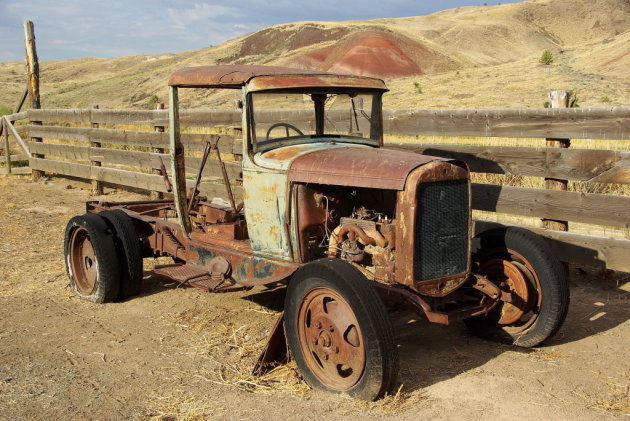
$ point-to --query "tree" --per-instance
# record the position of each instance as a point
(546, 58)
(153, 100)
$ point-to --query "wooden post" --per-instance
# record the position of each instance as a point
(32, 65)
(7, 152)
(158, 195)
(97, 186)
(558, 99)
(32, 84)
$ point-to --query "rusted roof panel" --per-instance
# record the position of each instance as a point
(267, 77)
(360, 167)
(260, 83)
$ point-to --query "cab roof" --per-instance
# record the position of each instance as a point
(267, 78)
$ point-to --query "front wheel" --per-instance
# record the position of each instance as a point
(522, 264)
(338, 330)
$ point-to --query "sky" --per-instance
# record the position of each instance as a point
(66, 29)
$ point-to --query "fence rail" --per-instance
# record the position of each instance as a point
(94, 138)
(570, 123)
(592, 165)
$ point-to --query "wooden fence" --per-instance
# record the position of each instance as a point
(86, 144)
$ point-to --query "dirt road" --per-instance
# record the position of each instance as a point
(177, 353)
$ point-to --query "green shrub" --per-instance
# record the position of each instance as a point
(418, 87)
(606, 100)
(546, 58)
(5, 110)
(152, 102)
(573, 99)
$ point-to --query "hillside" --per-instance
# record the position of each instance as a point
(483, 56)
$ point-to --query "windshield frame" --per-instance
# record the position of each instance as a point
(375, 138)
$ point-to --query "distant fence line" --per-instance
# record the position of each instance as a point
(91, 156)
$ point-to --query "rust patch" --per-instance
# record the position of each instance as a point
(357, 167)
(265, 77)
(285, 153)
(304, 81)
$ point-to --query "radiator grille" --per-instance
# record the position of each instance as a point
(441, 229)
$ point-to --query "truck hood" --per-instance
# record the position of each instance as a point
(357, 166)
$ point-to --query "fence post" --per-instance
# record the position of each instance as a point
(32, 70)
(7, 152)
(37, 174)
(97, 186)
(158, 195)
(32, 64)
(558, 99)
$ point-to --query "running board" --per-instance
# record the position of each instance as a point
(198, 277)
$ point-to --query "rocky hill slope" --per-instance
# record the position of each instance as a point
(483, 56)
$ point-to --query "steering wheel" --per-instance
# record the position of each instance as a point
(286, 126)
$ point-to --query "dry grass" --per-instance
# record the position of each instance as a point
(172, 408)
(232, 351)
(617, 400)
(613, 397)
(390, 404)
(549, 355)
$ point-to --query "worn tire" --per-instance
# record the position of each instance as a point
(547, 286)
(91, 259)
(129, 252)
(339, 279)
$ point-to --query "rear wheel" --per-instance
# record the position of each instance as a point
(523, 265)
(129, 252)
(339, 332)
(91, 260)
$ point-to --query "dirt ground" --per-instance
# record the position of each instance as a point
(180, 353)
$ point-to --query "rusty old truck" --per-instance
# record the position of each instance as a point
(354, 229)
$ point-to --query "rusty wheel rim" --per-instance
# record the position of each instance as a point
(331, 339)
(82, 261)
(512, 273)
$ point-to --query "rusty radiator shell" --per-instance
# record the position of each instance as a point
(406, 217)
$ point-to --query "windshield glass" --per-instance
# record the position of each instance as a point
(281, 119)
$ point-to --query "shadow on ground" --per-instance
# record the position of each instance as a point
(431, 353)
